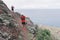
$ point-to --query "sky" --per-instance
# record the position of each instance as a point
(33, 4)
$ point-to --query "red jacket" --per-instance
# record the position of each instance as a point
(23, 18)
(23, 21)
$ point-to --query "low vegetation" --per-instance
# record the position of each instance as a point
(43, 35)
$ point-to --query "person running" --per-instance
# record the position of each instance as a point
(23, 20)
(12, 8)
(24, 29)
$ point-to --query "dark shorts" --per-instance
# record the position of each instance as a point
(23, 23)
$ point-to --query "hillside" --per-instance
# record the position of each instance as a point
(11, 27)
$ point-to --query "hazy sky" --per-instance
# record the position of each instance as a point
(29, 4)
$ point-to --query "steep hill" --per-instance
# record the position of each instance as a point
(10, 24)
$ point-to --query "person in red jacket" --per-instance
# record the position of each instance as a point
(23, 19)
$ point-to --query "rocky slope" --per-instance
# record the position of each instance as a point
(10, 24)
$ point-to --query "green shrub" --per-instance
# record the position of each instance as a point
(43, 35)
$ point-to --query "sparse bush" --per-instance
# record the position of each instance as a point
(43, 35)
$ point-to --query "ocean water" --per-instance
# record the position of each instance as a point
(43, 16)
